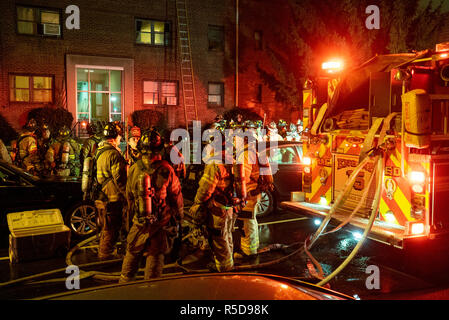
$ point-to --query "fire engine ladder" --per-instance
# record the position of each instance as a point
(187, 78)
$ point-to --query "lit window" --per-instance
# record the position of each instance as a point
(152, 32)
(160, 93)
(38, 21)
(99, 94)
(215, 36)
(215, 94)
(28, 88)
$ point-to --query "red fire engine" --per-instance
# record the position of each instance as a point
(394, 108)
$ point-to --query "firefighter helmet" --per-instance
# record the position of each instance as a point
(282, 123)
(31, 125)
(150, 141)
(112, 130)
(156, 142)
(92, 128)
(144, 142)
(64, 132)
(249, 124)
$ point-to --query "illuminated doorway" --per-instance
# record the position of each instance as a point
(99, 93)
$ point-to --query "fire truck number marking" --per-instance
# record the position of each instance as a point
(326, 162)
(359, 183)
(392, 171)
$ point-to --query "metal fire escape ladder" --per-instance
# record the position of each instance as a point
(187, 77)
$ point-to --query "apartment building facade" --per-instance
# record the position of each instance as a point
(125, 56)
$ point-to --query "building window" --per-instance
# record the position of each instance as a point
(153, 32)
(215, 35)
(38, 21)
(215, 94)
(160, 93)
(31, 88)
(99, 94)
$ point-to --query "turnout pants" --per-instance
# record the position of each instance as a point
(111, 217)
(249, 241)
(145, 241)
(221, 225)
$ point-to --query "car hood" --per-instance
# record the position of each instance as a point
(222, 286)
(61, 185)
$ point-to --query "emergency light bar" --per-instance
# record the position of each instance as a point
(332, 66)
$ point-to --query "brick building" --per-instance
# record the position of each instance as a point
(127, 56)
(124, 57)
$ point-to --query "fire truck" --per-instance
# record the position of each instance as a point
(396, 105)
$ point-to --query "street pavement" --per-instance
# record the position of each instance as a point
(416, 273)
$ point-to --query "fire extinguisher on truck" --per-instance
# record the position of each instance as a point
(396, 105)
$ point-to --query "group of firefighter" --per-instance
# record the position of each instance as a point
(151, 195)
(281, 131)
(40, 154)
(140, 195)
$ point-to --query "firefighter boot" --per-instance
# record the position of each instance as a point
(130, 267)
(154, 266)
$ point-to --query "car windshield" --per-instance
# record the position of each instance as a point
(28, 175)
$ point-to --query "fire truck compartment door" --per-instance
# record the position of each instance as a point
(344, 165)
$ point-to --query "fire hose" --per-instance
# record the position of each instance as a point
(379, 163)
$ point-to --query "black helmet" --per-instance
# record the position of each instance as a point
(31, 125)
(112, 130)
(92, 128)
(64, 132)
(157, 143)
(144, 144)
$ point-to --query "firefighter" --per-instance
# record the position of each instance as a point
(89, 147)
(249, 240)
(111, 176)
(299, 126)
(213, 207)
(26, 153)
(282, 129)
(4, 154)
(155, 198)
(293, 134)
(134, 154)
(273, 134)
(165, 150)
(44, 141)
(63, 154)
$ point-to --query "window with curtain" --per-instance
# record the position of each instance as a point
(153, 32)
(160, 93)
(30, 88)
(38, 21)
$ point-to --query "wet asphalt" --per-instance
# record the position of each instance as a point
(420, 272)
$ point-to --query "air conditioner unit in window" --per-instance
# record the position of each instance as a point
(52, 29)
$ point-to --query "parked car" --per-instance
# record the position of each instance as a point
(21, 191)
(206, 286)
(286, 157)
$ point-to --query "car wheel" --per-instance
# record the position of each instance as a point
(266, 204)
(82, 219)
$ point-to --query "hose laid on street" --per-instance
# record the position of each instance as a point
(375, 208)
(343, 195)
(379, 161)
